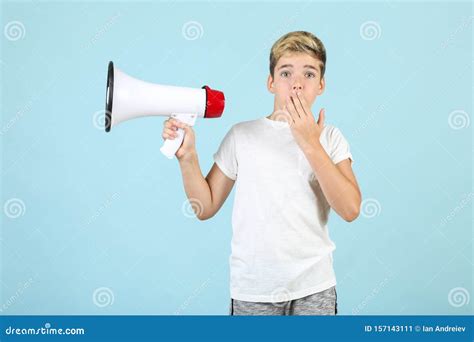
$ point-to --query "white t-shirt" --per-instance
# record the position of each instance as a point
(281, 248)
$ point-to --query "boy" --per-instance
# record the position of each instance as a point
(289, 171)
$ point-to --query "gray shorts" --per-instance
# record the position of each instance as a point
(320, 303)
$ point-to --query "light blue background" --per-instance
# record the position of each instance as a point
(105, 210)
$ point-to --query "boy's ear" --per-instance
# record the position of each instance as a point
(322, 86)
(270, 86)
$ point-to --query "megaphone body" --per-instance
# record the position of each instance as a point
(129, 98)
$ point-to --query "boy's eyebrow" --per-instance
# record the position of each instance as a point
(291, 66)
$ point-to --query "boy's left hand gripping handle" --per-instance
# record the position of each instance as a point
(170, 146)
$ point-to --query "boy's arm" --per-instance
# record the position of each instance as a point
(210, 192)
(337, 182)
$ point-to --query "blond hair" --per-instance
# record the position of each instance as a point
(298, 42)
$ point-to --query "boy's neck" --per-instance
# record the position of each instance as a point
(272, 115)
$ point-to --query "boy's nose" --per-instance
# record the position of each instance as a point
(296, 87)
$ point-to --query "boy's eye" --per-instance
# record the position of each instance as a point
(287, 74)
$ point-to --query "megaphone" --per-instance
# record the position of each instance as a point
(129, 98)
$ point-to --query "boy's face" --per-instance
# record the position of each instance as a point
(296, 72)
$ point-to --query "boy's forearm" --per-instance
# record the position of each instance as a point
(340, 193)
(196, 186)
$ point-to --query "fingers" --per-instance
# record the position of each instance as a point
(299, 105)
(171, 127)
(173, 124)
(169, 133)
(290, 107)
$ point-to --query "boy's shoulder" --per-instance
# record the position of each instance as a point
(330, 133)
(329, 130)
(247, 125)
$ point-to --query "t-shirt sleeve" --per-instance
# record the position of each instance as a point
(340, 149)
(225, 157)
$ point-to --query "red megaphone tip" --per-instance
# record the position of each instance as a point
(215, 103)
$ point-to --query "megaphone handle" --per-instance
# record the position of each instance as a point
(170, 146)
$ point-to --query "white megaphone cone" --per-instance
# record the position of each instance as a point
(129, 98)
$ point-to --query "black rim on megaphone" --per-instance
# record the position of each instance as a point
(109, 97)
